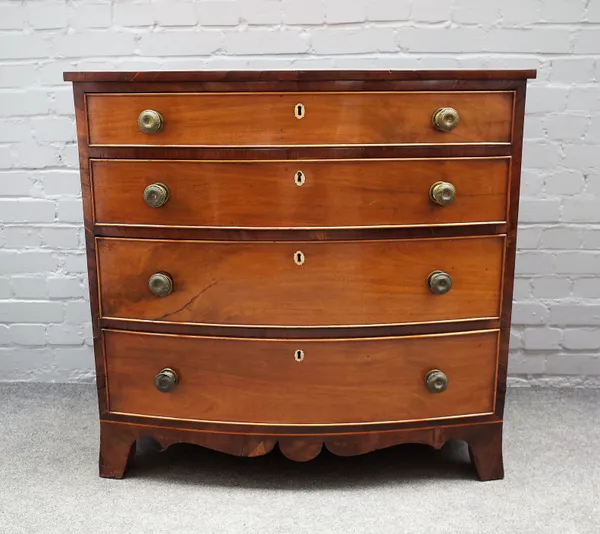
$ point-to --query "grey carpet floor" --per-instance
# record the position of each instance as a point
(49, 481)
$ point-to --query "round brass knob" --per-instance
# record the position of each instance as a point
(156, 195)
(445, 119)
(150, 121)
(442, 193)
(439, 282)
(160, 284)
(166, 380)
(436, 381)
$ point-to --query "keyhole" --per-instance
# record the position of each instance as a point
(299, 355)
(299, 111)
(298, 257)
(300, 178)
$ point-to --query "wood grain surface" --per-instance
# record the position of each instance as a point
(340, 283)
(174, 77)
(209, 119)
(365, 268)
(265, 194)
(511, 246)
(338, 381)
(118, 443)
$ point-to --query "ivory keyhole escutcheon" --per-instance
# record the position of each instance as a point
(299, 355)
(299, 111)
(299, 178)
(299, 257)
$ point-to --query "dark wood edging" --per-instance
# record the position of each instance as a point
(303, 75)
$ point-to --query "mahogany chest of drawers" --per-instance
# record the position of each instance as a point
(301, 259)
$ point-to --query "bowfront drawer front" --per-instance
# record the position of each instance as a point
(301, 382)
(299, 119)
(299, 284)
(301, 194)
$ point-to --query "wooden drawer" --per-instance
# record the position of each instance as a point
(269, 119)
(334, 193)
(336, 382)
(339, 283)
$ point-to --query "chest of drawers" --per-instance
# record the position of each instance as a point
(301, 259)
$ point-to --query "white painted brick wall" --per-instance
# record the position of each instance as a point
(45, 332)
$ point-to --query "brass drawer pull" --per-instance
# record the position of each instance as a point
(445, 119)
(160, 284)
(156, 195)
(442, 193)
(150, 121)
(439, 282)
(436, 381)
(166, 380)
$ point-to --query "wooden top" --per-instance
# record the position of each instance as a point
(295, 75)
